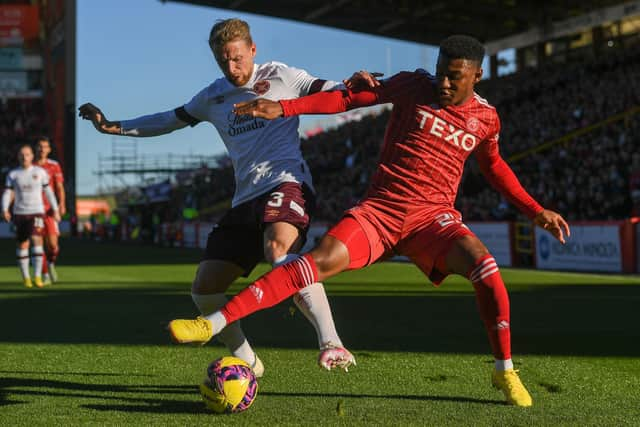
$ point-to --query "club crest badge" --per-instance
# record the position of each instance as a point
(261, 87)
(473, 124)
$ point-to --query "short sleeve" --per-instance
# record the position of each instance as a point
(299, 80)
(405, 86)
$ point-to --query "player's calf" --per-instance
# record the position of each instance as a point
(493, 304)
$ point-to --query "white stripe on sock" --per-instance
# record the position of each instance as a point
(309, 272)
(488, 273)
(486, 265)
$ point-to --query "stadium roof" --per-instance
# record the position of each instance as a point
(420, 21)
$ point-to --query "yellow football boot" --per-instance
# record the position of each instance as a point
(190, 331)
(27, 282)
(38, 282)
(513, 389)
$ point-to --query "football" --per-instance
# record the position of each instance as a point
(230, 386)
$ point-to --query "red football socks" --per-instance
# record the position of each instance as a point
(493, 304)
(45, 263)
(275, 286)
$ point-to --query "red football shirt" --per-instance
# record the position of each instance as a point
(425, 145)
(55, 176)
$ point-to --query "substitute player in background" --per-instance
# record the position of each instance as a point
(51, 230)
(25, 186)
(273, 201)
(436, 123)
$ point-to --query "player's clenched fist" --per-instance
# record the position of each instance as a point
(90, 112)
(262, 108)
(6, 216)
(362, 80)
(553, 223)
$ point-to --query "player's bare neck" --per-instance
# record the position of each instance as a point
(464, 101)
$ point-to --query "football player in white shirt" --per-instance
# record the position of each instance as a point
(27, 183)
(274, 196)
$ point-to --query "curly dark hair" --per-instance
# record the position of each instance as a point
(462, 47)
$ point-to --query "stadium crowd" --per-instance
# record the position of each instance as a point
(21, 121)
(592, 177)
(595, 176)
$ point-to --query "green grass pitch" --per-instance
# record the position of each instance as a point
(92, 350)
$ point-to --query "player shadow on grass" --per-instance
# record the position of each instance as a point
(188, 407)
(12, 387)
(549, 320)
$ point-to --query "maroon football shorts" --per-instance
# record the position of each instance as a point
(28, 225)
(372, 232)
(238, 236)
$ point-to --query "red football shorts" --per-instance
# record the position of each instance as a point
(51, 226)
(372, 231)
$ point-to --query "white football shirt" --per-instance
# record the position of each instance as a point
(264, 153)
(27, 185)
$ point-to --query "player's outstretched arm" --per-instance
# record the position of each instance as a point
(330, 102)
(145, 126)
(502, 178)
(90, 112)
(262, 108)
(554, 223)
(362, 79)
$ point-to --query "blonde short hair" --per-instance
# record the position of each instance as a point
(228, 30)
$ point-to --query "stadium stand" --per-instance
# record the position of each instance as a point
(588, 167)
(21, 121)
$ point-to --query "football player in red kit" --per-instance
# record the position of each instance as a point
(436, 123)
(51, 230)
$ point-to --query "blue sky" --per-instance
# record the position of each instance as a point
(143, 56)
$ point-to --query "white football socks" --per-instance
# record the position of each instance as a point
(23, 262)
(313, 303)
(36, 255)
(503, 365)
(231, 335)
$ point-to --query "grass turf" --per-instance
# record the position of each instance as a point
(92, 349)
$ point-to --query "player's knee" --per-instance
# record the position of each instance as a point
(465, 254)
(274, 250)
(331, 257)
(203, 285)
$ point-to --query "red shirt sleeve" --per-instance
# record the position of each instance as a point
(398, 88)
(502, 178)
(335, 101)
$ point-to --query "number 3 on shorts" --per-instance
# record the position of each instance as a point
(276, 199)
(38, 222)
